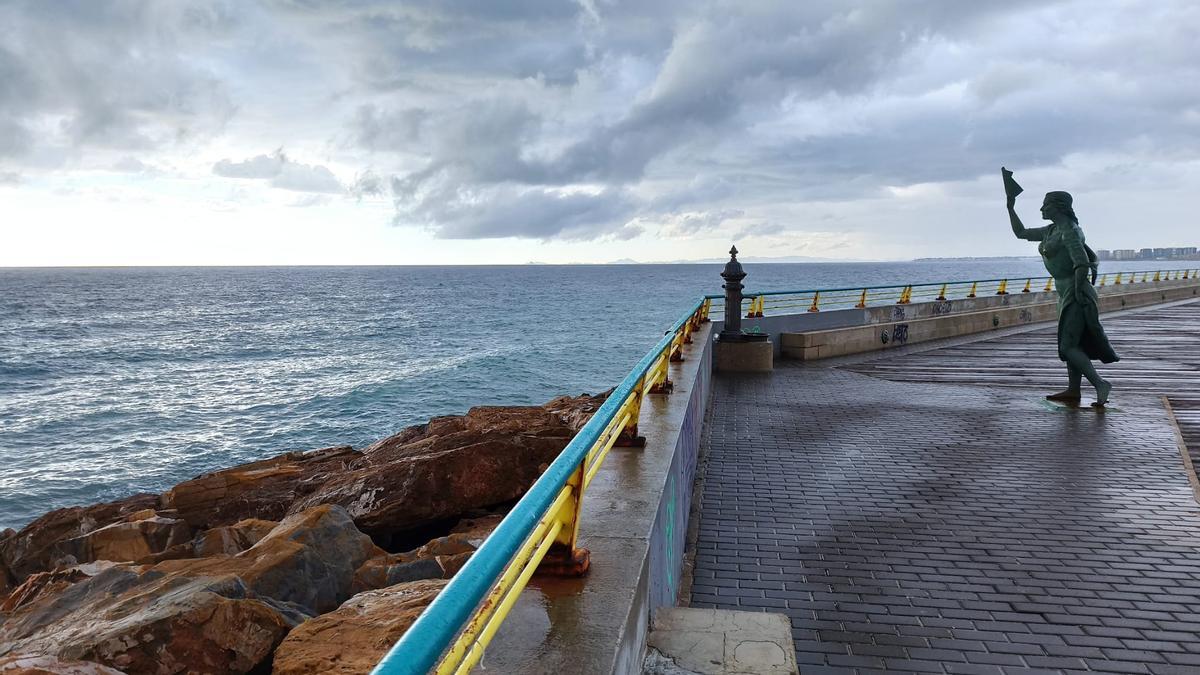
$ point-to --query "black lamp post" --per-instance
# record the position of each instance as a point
(733, 275)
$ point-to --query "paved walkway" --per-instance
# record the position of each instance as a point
(933, 527)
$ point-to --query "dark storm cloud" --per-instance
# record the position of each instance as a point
(535, 213)
(757, 102)
(83, 74)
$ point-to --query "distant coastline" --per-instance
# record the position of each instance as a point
(791, 259)
(986, 258)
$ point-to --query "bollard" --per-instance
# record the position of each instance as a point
(736, 350)
(733, 275)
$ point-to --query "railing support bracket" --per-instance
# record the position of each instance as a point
(561, 561)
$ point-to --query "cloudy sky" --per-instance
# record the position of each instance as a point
(477, 131)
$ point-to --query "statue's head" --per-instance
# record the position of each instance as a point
(1058, 204)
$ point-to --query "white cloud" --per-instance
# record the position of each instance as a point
(281, 172)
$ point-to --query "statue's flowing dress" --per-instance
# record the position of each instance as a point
(1063, 251)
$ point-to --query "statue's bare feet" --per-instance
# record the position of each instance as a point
(1068, 395)
(1102, 391)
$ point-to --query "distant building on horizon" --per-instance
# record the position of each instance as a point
(1165, 253)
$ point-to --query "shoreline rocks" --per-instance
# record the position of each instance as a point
(352, 639)
(221, 570)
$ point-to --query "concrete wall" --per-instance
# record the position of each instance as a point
(670, 526)
(933, 320)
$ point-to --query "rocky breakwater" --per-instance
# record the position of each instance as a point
(308, 562)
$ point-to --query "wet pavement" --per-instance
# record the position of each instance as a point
(954, 523)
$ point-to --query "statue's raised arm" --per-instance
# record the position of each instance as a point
(1011, 190)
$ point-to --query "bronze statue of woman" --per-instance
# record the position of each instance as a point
(1073, 266)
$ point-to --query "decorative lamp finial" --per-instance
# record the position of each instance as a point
(733, 252)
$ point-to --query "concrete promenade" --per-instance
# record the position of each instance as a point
(926, 510)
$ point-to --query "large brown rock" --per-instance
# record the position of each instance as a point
(232, 539)
(488, 457)
(476, 529)
(43, 584)
(37, 664)
(125, 541)
(424, 474)
(352, 639)
(263, 489)
(143, 621)
(438, 559)
(223, 614)
(35, 547)
(575, 411)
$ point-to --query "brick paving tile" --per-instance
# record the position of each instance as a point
(910, 526)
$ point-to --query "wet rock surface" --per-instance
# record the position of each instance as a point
(35, 664)
(214, 574)
(35, 548)
(352, 639)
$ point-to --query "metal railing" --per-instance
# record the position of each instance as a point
(816, 300)
(451, 634)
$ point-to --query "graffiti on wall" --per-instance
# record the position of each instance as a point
(670, 529)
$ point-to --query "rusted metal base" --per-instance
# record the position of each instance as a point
(676, 357)
(629, 438)
(561, 561)
(664, 387)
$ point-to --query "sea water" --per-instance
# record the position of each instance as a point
(122, 380)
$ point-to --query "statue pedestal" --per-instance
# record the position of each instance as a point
(743, 357)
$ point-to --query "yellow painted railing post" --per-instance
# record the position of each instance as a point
(1156, 279)
(905, 296)
(705, 309)
(656, 377)
(1103, 279)
(1118, 281)
(564, 558)
(942, 293)
(628, 436)
(1003, 290)
(816, 302)
(972, 293)
(1050, 284)
(862, 300)
(1027, 283)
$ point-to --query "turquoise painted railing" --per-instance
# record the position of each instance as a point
(451, 634)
